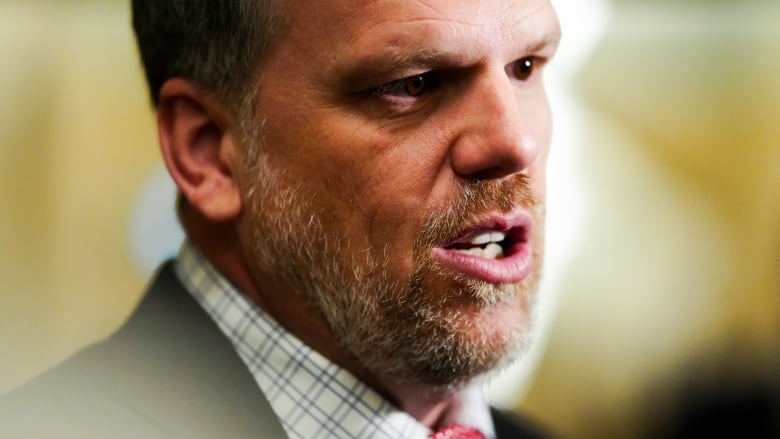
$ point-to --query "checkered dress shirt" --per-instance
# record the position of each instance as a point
(312, 397)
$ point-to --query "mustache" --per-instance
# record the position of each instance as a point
(473, 200)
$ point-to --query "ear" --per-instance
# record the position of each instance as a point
(199, 149)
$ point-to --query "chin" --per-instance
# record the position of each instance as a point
(457, 330)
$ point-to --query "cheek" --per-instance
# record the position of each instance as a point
(368, 185)
(397, 194)
(394, 209)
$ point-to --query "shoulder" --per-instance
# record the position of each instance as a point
(72, 400)
(510, 425)
(168, 372)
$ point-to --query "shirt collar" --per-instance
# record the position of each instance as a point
(312, 396)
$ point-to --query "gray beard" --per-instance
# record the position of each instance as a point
(403, 331)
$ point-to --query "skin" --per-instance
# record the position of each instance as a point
(372, 161)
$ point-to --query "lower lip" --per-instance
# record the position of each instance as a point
(510, 269)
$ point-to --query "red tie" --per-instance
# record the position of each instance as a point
(457, 431)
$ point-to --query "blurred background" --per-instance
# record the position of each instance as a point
(662, 296)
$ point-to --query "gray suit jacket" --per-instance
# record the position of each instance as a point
(168, 372)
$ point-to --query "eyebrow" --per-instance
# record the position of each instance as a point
(389, 64)
(392, 64)
(549, 39)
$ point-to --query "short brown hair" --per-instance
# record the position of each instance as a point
(216, 44)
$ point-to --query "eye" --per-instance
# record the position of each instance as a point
(415, 85)
(412, 86)
(524, 68)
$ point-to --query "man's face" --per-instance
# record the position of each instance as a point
(400, 177)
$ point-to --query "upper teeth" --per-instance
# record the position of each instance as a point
(486, 237)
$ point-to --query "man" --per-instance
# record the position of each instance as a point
(361, 184)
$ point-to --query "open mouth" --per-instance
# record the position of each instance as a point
(490, 244)
(497, 250)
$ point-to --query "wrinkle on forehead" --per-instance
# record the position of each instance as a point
(464, 13)
(333, 41)
(360, 16)
(517, 26)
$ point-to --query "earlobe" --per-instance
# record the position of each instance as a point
(198, 147)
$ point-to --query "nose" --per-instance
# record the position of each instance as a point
(498, 133)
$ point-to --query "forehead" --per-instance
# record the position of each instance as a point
(364, 26)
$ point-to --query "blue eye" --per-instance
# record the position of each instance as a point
(412, 86)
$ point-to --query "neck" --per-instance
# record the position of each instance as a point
(427, 404)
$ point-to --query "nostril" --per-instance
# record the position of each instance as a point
(493, 173)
